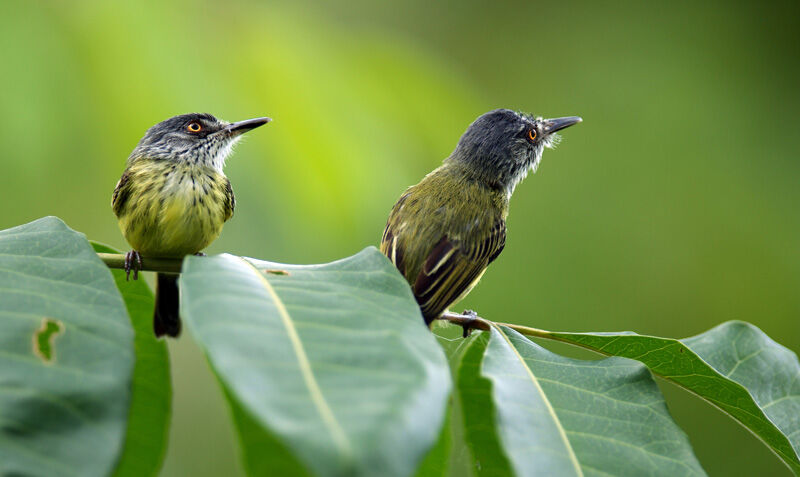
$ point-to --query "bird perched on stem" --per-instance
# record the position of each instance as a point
(173, 198)
(443, 232)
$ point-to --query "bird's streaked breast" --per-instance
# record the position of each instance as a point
(173, 209)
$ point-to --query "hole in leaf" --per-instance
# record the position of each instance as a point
(44, 337)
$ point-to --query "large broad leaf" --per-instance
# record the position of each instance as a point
(474, 397)
(437, 462)
(734, 366)
(262, 453)
(66, 355)
(558, 416)
(333, 360)
(149, 413)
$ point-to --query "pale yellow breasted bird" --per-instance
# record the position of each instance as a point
(173, 198)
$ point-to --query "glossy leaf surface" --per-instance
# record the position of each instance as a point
(558, 416)
(66, 355)
(333, 360)
(735, 367)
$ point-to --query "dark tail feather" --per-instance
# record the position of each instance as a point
(165, 319)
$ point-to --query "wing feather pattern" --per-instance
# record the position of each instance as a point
(450, 270)
(121, 193)
(230, 200)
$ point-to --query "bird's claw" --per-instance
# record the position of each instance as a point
(471, 317)
(133, 262)
(199, 254)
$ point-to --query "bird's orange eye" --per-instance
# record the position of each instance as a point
(532, 134)
(194, 127)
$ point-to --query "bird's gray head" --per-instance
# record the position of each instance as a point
(195, 138)
(501, 146)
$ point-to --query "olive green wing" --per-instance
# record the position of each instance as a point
(230, 200)
(121, 193)
(450, 269)
(389, 245)
(453, 267)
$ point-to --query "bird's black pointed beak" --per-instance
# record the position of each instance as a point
(557, 124)
(242, 127)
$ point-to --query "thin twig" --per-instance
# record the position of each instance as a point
(528, 331)
(149, 264)
(169, 265)
(466, 321)
(470, 322)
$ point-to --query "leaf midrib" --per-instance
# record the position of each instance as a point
(550, 409)
(790, 459)
(325, 412)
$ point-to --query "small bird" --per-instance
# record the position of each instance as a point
(443, 232)
(173, 198)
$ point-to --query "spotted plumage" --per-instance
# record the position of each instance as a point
(172, 210)
(173, 198)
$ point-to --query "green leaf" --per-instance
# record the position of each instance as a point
(474, 393)
(262, 452)
(735, 367)
(66, 355)
(149, 413)
(437, 462)
(333, 360)
(560, 416)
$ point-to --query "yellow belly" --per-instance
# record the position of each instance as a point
(169, 215)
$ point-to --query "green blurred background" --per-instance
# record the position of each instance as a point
(672, 208)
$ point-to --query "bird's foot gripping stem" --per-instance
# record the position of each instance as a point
(471, 317)
(133, 262)
(468, 321)
(200, 254)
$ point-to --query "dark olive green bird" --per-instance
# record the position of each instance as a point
(173, 198)
(443, 232)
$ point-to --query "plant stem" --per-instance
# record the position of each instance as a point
(475, 322)
(469, 322)
(169, 265)
(149, 264)
(528, 331)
